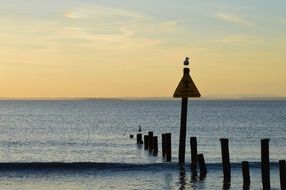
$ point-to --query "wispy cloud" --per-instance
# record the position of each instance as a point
(240, 40)
(234, 19)
(88, 27)
(169, 25)
(109, 27)
(98, 12)
(122, 40)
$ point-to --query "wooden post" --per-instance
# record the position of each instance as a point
(225, 160)
(245, 174)
(185, 89)
(146, 142)
(282, 171)
(193, 142)
(164, 145)
(168, 147)
(265, 168)
(139, 138)
(202, 165)
(183, 129)
(150, 141)
(155, 143)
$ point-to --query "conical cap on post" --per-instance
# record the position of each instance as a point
(186, 88)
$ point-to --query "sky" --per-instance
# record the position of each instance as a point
(136, 48)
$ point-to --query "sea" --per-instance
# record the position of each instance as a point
(86, 144)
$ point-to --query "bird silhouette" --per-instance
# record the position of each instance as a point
(186, 62)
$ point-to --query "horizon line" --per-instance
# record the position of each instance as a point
(149, 98)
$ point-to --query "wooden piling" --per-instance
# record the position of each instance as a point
(282, 171)
(168, 147)
(225, 160)
(265, 168)
(146, 138)
(185, 89)
(245, 174)
(183, 129)
(202, 165)
(193, 143)
(150, 141)
(139, 138)
(155, 143)
(163, 145)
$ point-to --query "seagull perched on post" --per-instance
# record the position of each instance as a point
(186, 62)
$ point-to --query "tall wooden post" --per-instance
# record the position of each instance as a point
(225, 160)
(146, 142)
(282, 171)
(202, 165)
(139, 138)
(185, 89)
(245, 174)
(168, 149)
(183, 130)
(265, 167)
(194, 152)
(155, 145)
(164, 145)
(150, 141)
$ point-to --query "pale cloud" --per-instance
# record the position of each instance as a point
(92, 26)
(169, 26)
(125, 39)
(88, 27)
(98, 12)
(73, 14)
(107, 27)
(240, 40)
(234, 19)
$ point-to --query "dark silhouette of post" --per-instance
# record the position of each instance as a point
(265, 168)
(245, 174)
(185, 89)
(183, 130)
(225, 160)
(163, 145)
(202, 165)
(146, 138)
(150, 141)
(194, 152)
(155, 145)
(139, 138)
(282, 171)
(168, 147)
(131, 136)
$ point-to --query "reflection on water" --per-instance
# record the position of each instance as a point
(182, 178)
(195, 181)
(226, 186)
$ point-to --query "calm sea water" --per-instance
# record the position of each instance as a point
(98, 131)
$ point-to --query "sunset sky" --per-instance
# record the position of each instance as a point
(135, 48)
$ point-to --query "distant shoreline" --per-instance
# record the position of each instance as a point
(150, 99)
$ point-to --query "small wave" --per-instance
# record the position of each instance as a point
(97, 166)
(83, 166)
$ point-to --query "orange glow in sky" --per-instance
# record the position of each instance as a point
(137, 48)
